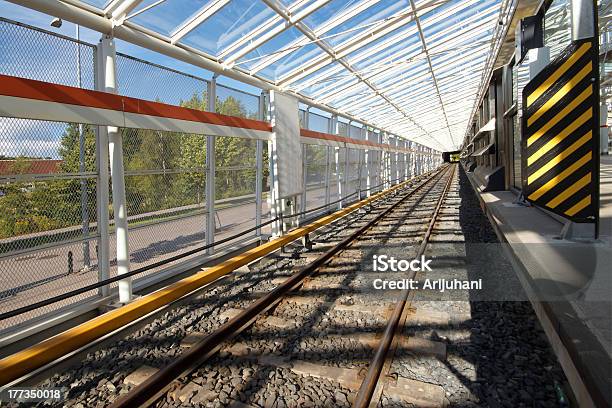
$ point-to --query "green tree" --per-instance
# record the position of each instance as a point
(26, 207)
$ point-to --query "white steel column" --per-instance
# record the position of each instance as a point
(367, 159)
(362, 154)
(347, 163)
(115, 148)
(328, 165)
(210, 170)
(304, 168)
(334, 121)
(386, 162)
(102, 187)
(259, 164)
(273, 199)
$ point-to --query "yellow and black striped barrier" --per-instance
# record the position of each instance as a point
(560, 143)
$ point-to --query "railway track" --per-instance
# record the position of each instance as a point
(328, 283)
(305, 328)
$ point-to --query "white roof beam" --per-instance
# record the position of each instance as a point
(118, 10)
(433, 74)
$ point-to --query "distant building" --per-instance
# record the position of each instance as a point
(10, 167)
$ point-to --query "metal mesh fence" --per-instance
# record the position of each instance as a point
(354, 164)
(144, 80)
(48, 233)
(165, 185)
(343, 129)
(165, 172)
(48, 180)
(318, 123)
(355, 132)
(316, 166)
(374, 167)
(59, 59)
(235, 158)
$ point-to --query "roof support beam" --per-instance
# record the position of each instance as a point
(355, 43)
(431, 69)
(120, 9)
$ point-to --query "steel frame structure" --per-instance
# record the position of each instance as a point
(361, 55)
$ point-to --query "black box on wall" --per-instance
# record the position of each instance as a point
(529, 34)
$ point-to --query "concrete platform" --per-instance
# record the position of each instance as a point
(569, 284)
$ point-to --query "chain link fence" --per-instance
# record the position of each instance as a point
(165, 172)
(315, 165)
(236, 163)
(48, 180)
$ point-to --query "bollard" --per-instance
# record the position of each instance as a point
(70, 262)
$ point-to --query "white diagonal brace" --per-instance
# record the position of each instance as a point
(117, 11)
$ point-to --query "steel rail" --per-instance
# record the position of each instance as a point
(368, 386)
(148, 392)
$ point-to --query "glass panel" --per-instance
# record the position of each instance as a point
(101, 4)
(318, 123)
(296, 59)
(233, 22)
(167, 16)
(354, 26)
(398, 45)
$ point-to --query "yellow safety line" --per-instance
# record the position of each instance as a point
(564, 112)
(557, 139)
(579, 205)
(570, 191)
(561, 93)
(559, 158)
(557, 74)
(560, 177)
(21, 363)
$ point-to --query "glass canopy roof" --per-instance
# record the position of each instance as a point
(412, 67)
